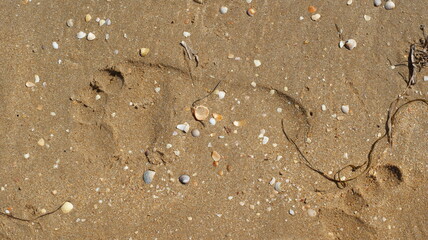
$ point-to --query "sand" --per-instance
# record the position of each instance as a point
(107, 114)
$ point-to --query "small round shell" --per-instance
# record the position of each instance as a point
(377, 3)
(184, 179)
(350, 44)
(251, 12)
(200, 112)
(67, 207)
(389, 5)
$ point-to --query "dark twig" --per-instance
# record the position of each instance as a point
(30, 220)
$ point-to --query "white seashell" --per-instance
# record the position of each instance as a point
(70, 22)
(257, 63)
(81, 35)
(265, 140)
(367, 17)
(349, 2)
(221, 94)
(55, 45)
(213, 121)
(389, 5)
(183, 127)
(377, 3)
(30, 84)
(277, 186)
(223, 10)
(148, 176)
(102, 22)
(200, 112)
(316, 17)
(345, 109)
(91, 36)
(36, 78)
(186, 34)
(184, 179)
(272, 181)
(67, 207)
(350, 44)
(108, 21)
(144, 51)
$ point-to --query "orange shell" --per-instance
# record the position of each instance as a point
(312, 9)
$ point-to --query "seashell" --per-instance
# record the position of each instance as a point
(350, 44)
(144, 52)
(185, 127)
(223, 10)
(345, 109)
(148, 176)
(312, 9)
(277, 186)
(55, 45)
(389, 5)
(377, 3)
(216, 156)
(88, 18)
(70, 22)
(217, 117)
(238, 123)
(102, 22)
(213, 121)
(81, 35)
(316, 17)
(221, 94)
(200, 112)
(90, 36)
(251, 12)
(184, 179)
(67, 207)
(30, 84)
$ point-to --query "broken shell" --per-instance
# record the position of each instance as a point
(30, 84)
(90, 36)
(184, 179)
(70, 22)
(277, 186)
(251, 12)
(341, 44)
(350, 44)
(81, 35)
(217, 117)
(148, 176)
(238, 123)
(316, 17)
(183, 127)
(377, 3)
(67, 207)
(223, 10)
(200, 112)
(88, 18)
(389, 5)
(312, 9)
(144, 52)
(216, 156)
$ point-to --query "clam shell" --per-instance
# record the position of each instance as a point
(389, 5)
(148, 176)
(377, 3)
(216, 156)
(200, 112)
(350, 44)
(144, 52)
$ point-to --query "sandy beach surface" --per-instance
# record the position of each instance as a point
(92, 93)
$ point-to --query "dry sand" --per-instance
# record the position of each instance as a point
(94, 152)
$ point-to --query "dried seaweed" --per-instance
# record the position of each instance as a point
(33, 219)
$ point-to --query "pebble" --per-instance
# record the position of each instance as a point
(27, 156)
(291, 212)
(312, 213)
(55, 45)
(41, 142)
(36, 78)
(316, 17)
(186, 34)
(185, 127)
(350, 44)
(90, 36)
(81, 35)
(184, 179)
(144, 52)
(67, 207)
(377, 3)
(196, 133)
(345, 109)
(70, 22)
(30, 84)
(257, 63)
(88, 18)
(213, 121)
(223, 10)
(367, 18)
(389, 5)
(324, 107)
(148, 176)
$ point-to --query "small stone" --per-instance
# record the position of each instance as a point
(36, 78)
(324, 107)
(196, 132)
(88, 18)
(367, 18)
(97, 19)
(253, 84)
(27, 156)
(213, 121)
(316, 17)
(43, 211)
(157, 89)
(90, 36)
(345, 109)
(184, 179)
(221, 94)
(55, 45)
(102, 22)
(312, 213)
(81, 35)
(144, 52)
(257, 63)
(148, 176)
(223, 10)
(186, 34)
(97, 97)
(41, 142)
(291, 212)
(67, 207)
(377, 3)
(70, 22)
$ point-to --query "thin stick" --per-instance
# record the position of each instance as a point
(30, 220)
